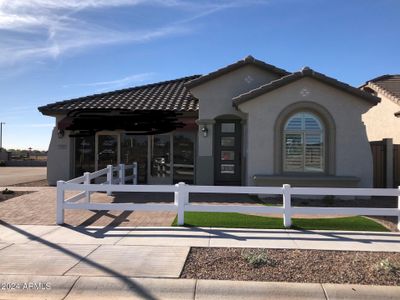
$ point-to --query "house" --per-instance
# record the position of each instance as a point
(382, 121)
(249, 123)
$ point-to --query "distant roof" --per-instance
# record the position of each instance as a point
(305, 72)
(249, 60)
(169, 95)
(388, 85)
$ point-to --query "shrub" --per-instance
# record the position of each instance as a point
(257, 258)
(2, 163)
(7, 192)
(388, 266)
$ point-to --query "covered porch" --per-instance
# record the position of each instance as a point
(162, 143)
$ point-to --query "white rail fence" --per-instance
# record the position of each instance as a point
(87, 178)
(181, 197)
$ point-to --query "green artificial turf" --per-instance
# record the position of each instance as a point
(236, 220)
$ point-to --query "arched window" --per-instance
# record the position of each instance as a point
(303, 144)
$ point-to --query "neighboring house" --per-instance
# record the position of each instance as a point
(249, 123)
(382, 121)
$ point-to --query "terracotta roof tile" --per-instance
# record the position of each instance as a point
(388, 84)
(169, 95)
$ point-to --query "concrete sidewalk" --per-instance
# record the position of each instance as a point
(55, 262)
(202, 237)
(81, 287)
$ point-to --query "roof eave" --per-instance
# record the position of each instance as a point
(249, 60)
(298, 75)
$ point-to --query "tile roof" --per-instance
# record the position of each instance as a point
(249, 60)
(387, 84)
(169, 95)
(305, 72)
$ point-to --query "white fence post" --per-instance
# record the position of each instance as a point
(181, 199)
(87, 181)
(121, 174)
(60, 202)
(398, 218)
(110, 174)
(287, 215)
(134, 173)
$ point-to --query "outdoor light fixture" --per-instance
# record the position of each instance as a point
(60, 133)
(204, 130)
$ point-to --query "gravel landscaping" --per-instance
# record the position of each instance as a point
(313, 266)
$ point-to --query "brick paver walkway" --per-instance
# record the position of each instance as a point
(39, 208)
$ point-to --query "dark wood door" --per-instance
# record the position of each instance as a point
(379, 162)
(396, 166)
(227, 152)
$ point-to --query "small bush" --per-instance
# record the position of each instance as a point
(388, 266)
(2, 163)
(7, 192)
(257, 258)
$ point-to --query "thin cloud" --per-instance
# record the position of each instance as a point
(36, 30)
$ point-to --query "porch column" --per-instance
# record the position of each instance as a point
(205, 158)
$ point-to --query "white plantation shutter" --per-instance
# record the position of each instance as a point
(294, 152)
(303, 144)
(313, 153)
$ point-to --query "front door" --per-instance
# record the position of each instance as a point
(161, 160)
(107, 150)
(227, 152)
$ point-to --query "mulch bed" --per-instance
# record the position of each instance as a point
(5, 197)
(287, 265)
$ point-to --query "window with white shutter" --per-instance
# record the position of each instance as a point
(303, 144)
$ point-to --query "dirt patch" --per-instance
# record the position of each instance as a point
(33, 183)
(313, 266)
(390, 222)
(12, 194)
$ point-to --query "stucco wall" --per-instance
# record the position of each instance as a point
(60, 158)
(215, 98)
(353, 154)
(381, 122)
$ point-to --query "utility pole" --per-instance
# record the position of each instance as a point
(1, 134)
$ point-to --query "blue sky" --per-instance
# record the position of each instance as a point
(53, 50)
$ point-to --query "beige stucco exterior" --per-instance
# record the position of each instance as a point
(352, 151)
(380, 121)
(60, 156)
(215, 100)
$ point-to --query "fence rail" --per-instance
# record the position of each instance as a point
(182, 191)
(83, 183)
